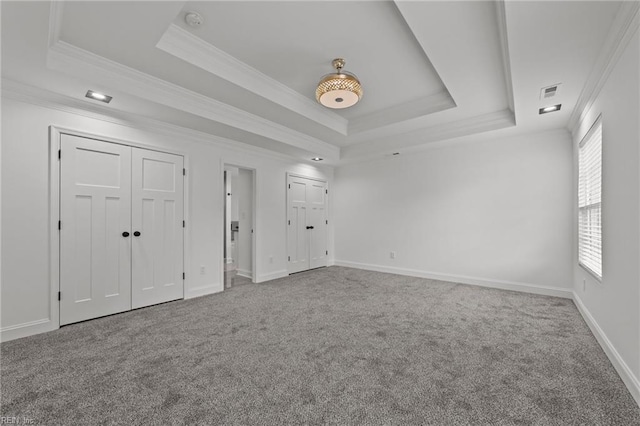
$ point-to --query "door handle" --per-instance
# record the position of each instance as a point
(309, 227)
(136, 234)
(125, 234)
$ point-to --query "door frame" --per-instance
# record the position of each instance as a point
(55, 135)
(254, 219)
(286, 216)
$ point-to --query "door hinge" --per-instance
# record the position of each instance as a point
(289, 222)
(289, 258)
(184, 224)
(59, 225)
(326, 191)
(183, 275)
(184, 172)
(289, 186)
(59, 154)
(326, 222)
(59, 295)
(327, 252)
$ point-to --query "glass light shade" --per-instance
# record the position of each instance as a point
(340, 90)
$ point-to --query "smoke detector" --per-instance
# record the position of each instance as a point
(549, 91)
(193, 19)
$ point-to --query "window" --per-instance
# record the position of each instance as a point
(590, 200)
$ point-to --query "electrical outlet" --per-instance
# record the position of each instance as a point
(202, 270)
(392, 255)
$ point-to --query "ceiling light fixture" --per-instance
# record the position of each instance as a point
(551, 108)
(317, 159)
(339, 90)
(98, 96)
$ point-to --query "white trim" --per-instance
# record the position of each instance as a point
(427, 135)
(54, 233)
(203, 291)
(56, 9)
(317, 179)
(622, 30)
(26, 329)
(182, 44)
(462, 279)
(625, 373)
(46, 99)
(272, 276)
(244, 273)
(78, 62)
(504, 47)
(406, 111)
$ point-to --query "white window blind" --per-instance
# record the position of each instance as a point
(590, 200)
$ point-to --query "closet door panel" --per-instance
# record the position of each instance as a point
(157, 223)
(95, 214)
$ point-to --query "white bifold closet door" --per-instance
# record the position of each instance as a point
(121, 237)
(157, 227)
(307, 223)
(95, 210)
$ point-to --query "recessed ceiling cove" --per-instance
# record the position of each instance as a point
(292, 43)
(249, 71)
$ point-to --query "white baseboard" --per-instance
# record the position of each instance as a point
(273, 276)
(621, 367)
(483, 282)
(18, 331)
(203, 291)
(245, 273)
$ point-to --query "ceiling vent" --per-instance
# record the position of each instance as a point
(549, 91)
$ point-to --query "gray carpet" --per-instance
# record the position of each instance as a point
(331, 346)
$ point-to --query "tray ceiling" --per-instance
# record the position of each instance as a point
(431, 71)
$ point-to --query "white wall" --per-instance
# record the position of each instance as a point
(25, 250)
(613, 305)
(497, 212)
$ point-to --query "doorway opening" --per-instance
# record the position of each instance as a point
(239, 224)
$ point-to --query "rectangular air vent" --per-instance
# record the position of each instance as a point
(549, 91)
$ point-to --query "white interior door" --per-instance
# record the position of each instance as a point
(307, 228)
(297, 234)
(317, 202)
(157, 222)
(95, 214)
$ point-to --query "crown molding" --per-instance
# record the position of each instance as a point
(72, 60)
(21, 92)
(428, 135)
(55, 21)
(403, 112)
(504, 46)
(502, 133)
(622, 30)
(184, 45)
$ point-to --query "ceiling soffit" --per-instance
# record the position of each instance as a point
(436, 114)
(186, 46)
(182, 44)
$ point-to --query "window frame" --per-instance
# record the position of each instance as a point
(597, 123)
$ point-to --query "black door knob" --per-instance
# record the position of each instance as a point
(136, 234)
(309, 227)
(125, 234)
